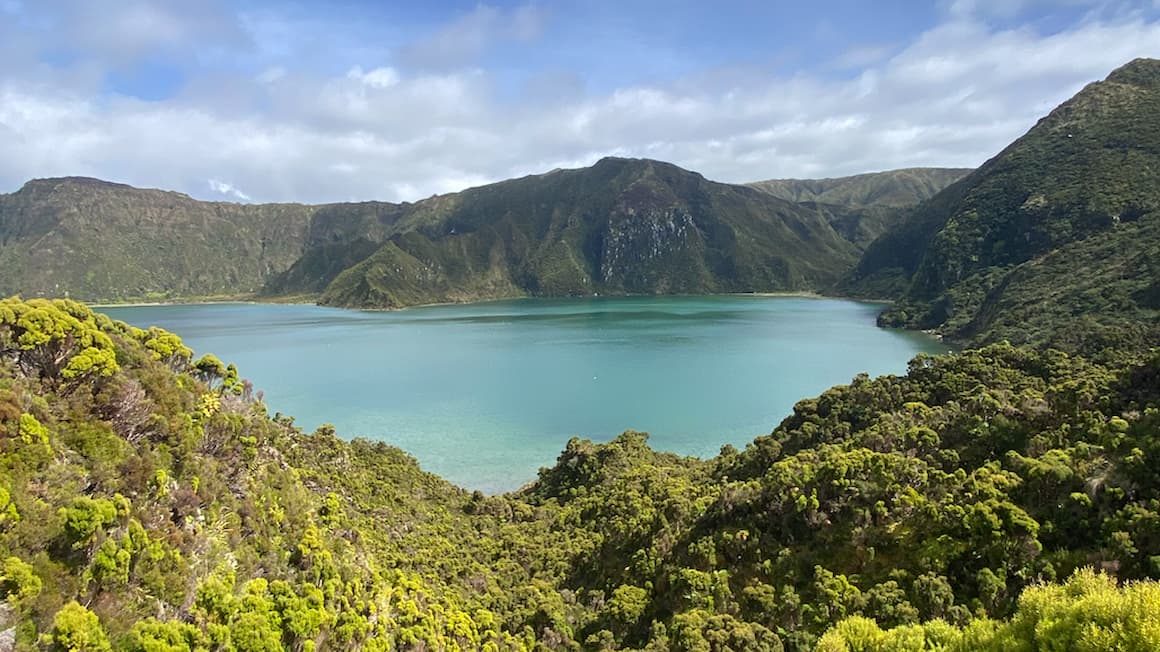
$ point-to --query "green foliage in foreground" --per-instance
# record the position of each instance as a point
(153, 504)
(1088, 613)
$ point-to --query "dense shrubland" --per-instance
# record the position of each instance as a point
(149, 502)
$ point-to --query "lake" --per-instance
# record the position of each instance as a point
(485, 394)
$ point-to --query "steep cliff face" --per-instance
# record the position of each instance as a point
(620, 226)
(1079, 191)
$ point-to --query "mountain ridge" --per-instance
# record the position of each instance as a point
(91, 238)
(894, 188)
(109, 241)
(1086, 177)
(619, 226)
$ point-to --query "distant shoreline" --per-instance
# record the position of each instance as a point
(193, 301)
(299, 300)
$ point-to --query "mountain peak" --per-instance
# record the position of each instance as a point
(1080, 190)
(85, 185)
(1138, 72)
(643, 166)
(53, 183)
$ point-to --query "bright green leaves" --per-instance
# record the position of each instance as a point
(1088, 613)
(941, 494)
(8, 512)
(55, 340)
(85, 517)
(90, 362)
(110, 565)
(76, 629)
(304, 614)
(165, 347)
(31, 431)
(208, 368)
(36, 448)
(18, 581)
(627, 605)
(154, 636)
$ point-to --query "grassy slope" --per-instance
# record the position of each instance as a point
(895, 188)
(621, 226)
(993, 250)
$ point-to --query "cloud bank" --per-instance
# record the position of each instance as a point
(441, 112)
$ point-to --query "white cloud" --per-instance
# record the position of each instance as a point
(377, 78)
(954, 96)
(860, 57)
(227, 189)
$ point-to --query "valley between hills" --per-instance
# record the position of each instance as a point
(1004, 497)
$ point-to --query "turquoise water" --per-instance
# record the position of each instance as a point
(485, 394)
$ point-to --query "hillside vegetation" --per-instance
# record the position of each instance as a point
(149, 501)
(1054, 241)
(619, 227)
(863, 207)
(893, 188)
(104, 241)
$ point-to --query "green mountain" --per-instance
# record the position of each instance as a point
(148, 501)
(1055, 240)
(896, 188)
(98, 240)
(619, 227)
(863, 207)
(622, 226)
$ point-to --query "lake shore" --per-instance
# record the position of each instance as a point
(196, 301)
(309, 300)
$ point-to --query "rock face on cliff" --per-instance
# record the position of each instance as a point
(620, 226)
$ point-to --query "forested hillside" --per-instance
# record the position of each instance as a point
(97, 240)
(1054, 241)
(148, 501)
(620, 226)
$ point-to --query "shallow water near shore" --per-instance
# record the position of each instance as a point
(485, 394)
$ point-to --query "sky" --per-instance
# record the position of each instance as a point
(348, 100)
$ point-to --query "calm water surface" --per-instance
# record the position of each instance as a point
(485, 394)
